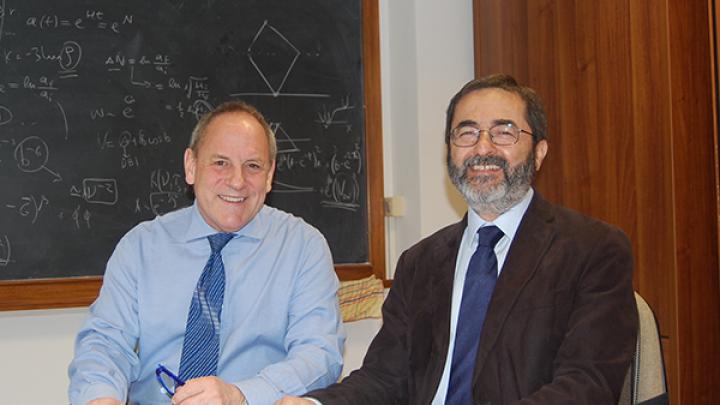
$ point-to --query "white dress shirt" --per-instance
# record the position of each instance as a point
(508, 222)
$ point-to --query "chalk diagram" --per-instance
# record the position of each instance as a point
(327, 118)
(269, 41)
(270, 51)
(285, 143)
(32, 155)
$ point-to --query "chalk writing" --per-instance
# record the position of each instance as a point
(98, 101)
(5, 251)
(30, 206)
(341, 188)
(32, 155)
(92, 19)
(100, 191)
(167, 195)
(81, 218)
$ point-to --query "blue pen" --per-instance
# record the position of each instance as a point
(159, 371)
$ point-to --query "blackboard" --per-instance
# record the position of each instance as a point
(98, 99)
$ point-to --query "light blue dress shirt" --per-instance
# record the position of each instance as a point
(508, 222)
(281, 328)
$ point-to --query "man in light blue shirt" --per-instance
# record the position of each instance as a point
(280, 326)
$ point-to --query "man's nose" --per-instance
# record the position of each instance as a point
(484, 144)
(237, 177)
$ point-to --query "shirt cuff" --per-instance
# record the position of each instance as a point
(313, 400)
(258, 391)
(95, 391)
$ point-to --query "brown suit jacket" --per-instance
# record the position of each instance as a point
(560, 329)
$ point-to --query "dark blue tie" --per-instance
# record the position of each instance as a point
(479, 284)
(201, 347)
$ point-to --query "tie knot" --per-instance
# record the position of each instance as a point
(489, 236)
(219, 240)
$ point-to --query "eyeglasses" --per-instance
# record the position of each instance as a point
(502, 135)
(167, 379)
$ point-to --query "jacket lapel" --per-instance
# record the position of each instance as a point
(444, 258)
(532, 240)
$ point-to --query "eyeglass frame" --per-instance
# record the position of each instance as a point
(477, 131)
(170, 392)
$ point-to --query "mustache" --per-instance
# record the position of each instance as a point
(486, 160)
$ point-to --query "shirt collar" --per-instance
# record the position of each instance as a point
(199, 229)
(508, 221)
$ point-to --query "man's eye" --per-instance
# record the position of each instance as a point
(220, 163)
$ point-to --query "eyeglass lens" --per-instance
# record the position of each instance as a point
(168, 381)
(502, 135)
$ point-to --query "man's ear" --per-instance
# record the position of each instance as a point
(541, 149)
(190, 164)
(268, 186)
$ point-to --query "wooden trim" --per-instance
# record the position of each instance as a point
(373, 139)
(347, 272)
(49, 293)
(82, 291)
(714, 54)
(695, 204)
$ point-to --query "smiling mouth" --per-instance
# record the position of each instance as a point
(232, 199)
(484, 167)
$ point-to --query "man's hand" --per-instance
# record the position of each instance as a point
(105, 401)
(294, 401)
(208, 391)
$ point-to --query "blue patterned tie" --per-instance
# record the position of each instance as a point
(479, 284)
(201, 347)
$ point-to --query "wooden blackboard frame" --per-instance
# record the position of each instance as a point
(81, 291)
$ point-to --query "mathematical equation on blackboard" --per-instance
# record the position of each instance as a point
(97, 103)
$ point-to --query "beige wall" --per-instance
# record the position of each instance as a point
(422, 66)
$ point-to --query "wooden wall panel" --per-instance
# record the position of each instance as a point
(693, 138)
(628, 87)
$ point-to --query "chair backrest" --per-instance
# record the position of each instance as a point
(645, 380)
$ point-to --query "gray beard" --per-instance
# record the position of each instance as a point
(497, 199)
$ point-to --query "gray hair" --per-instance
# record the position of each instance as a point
(534, 111)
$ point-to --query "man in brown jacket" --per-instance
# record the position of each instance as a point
(558, 324)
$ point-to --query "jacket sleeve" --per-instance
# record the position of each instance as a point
(383, 377)
(594, 355)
